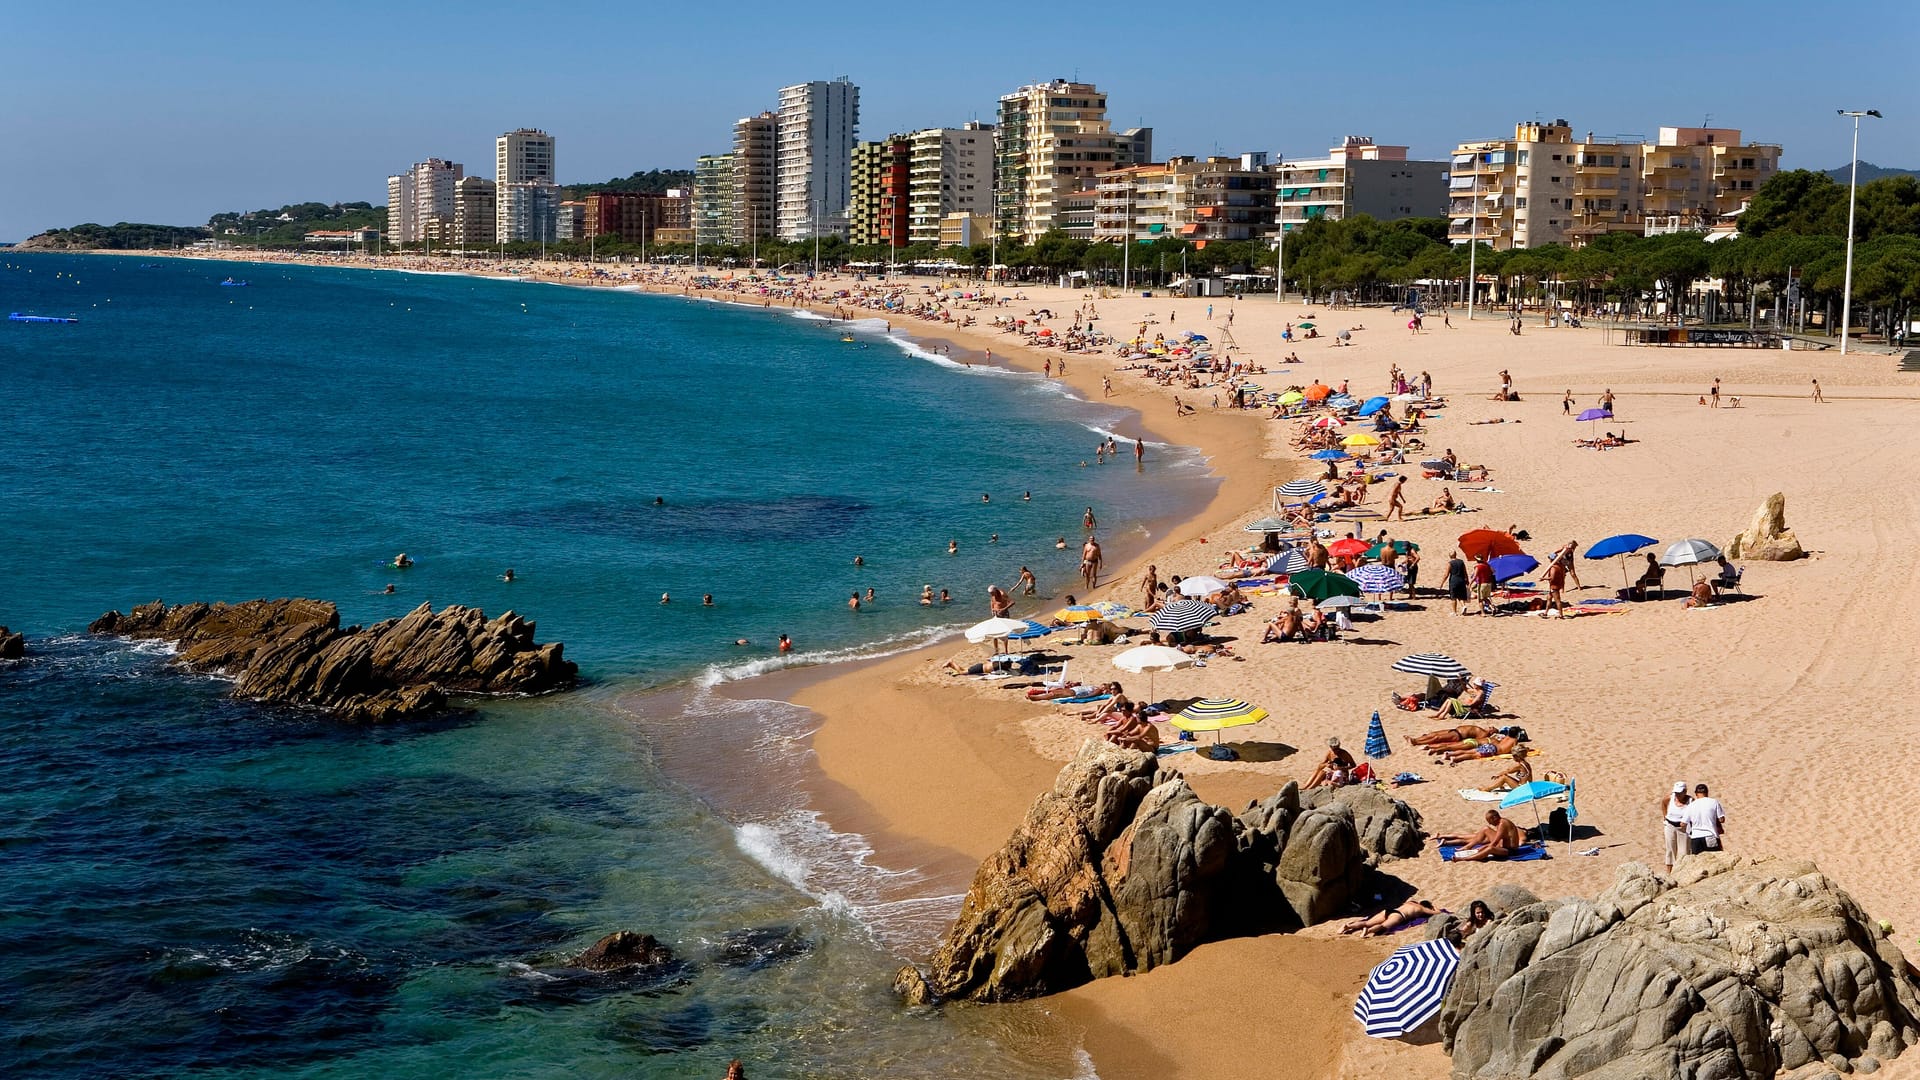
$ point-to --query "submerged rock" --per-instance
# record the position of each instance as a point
(12, 646)
(1121, 868)
(1738, 968)
(761, 947)
(623, 950)
(295, 652)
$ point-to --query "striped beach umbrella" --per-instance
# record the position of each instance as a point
(1288, 561)
(1406, 989)
(1268, 524)
(1375, 578)
(1328, 421)
(1299, 489)
(1377, 744)
(1183, 615)
(1216, 715)
(1438, 665)
(1031, 631)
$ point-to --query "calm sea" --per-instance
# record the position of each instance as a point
(190, 886)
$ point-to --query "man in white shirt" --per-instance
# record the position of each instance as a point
(1706, 821)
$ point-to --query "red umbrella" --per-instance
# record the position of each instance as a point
(1488, 542)
(1350, 546)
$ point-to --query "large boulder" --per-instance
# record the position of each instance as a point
(295, 652)
(1388, 828)
(12, 646)
(1767, 538)
(1737, 969)
(1121, 868)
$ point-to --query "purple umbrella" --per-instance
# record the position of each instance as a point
(1508, 567)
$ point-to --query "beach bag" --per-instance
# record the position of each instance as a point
(1558, 827)
(1410, 703)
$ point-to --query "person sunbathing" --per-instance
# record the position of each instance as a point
(1060, 693)
(1462, 706)
(1286, 626)
(1463, 733)
(1444, 503)
(1481, 748)
(1334, 769)
(1520, 772)
(1138, 734)
(1393, 919)
(1498, 839)
(1702, 595)
(1110, 711)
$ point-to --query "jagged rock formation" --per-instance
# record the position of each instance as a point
(1738, 969)
(1121, 868)
(295, 652)
(12, 646)
(1389, 828)
(623, 950)
(1768, 539)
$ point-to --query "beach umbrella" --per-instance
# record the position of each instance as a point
(1594, 414)
(1342, 601)
(1318, 391)
(1689, 553)
(1303, 326)
(1201, 585)
(1302, 488)
(1330, 455)
(1433, 665)
(1079, 613)
(1622, 545)
(1531, 793)
(1111, 609)
(1290, 561)
(1268, 524)
(1150, 659)
(1340, 401)
(1321, 584)
(1362, 439)
(1216, 715)
(1347, 546)
(1401, 546)
(1375, 578)
(1029, 630)
(1508, 567)
(1328, 421)
(1181, 616)
(1407, 988)
(994, 629)
(1377, 745)
(1373, 405)
(1290, 397)
(1488, 542)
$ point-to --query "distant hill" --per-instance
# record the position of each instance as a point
(291, 223)
(125, 236)
(1870, 171)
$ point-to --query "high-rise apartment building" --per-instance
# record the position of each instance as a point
(877, 200)
(1544, 187)
(522, 156)
(813, 182)
(1134, 146)
(1360, 177)
(713, 199)
(638, 216)
(1195, 199)
(420, 195)
(951, 172)
(474, 224)
(754, 146)
(1051, 139)
(527, 210)
(570, 220)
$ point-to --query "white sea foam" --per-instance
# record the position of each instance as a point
(808, 316)
(888, 646)
(921, 352)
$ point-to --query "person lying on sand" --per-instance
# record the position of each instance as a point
(1520, 772)
(1388, 921)
(1499, 839)
(1481, 748)
(1462, 733)
(1077, 690)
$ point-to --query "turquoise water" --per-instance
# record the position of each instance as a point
(199, 887)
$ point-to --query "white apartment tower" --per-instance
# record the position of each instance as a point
(523, 156)
(950, 172)
(419, 195)
(401, 226)
(813, 160)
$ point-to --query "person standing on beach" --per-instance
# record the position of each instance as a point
(1565, 557)
(1706, 822)
(1673, 813)
(1483, 583)
(1106, 387)
(1606, 401)
(1556, 586)
(999, 602)
(1149, 587)
(1046, 367)
(1566, 403)
(1139, 451)
(1090, 562)
(1715, 395)
(1396, 500)
(1817, 395)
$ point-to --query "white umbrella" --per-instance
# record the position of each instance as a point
(994, 628)
(1201, 585)
(1689, 553)
(1148, 659)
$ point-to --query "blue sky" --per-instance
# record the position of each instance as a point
(171, 112)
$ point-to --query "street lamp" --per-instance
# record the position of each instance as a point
(1853, 183)
(1280, 232)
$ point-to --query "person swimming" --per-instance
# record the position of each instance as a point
(859, 560)
(659, 500)
(706, 600)
(786, 645)
(388, 591)
(402, 561)
(508, 576)
(666, 598)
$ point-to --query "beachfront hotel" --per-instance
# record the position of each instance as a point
(1360, 177)
(474, 213)
(638, 217)
(713, 199)
(1544, 187)
(813, 159)
(523, 156)
(418, 196)
(527, 210)
(1051, 139)
(877, 203)
(1195, 199)
(754, 147)
(950, 172)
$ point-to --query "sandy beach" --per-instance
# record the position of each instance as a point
(1793, 702)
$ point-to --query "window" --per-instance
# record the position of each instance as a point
(1556, 157)
(1520, 158)
(1553, 221)
(1553, 179)
(1520, 203)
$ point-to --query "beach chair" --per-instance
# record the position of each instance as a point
(1059, 681)
(1724, 583)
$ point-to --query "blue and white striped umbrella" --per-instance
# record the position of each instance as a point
(1183, 615)
(1438, 665)
(1375, 578)
(1406, 990)
(1288, 561)
(1300, 489)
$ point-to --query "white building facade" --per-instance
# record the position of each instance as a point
(817, 125)
(522, 156)
(951, 172)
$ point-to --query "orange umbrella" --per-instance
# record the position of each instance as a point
(1488, 542)
(1318, 391)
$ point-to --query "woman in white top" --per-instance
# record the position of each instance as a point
(1674, 810)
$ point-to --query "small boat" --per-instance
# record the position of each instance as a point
(18, 317)
(236, 284)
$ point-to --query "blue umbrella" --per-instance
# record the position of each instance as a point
(1372, 405)
(1624, 544)
(1033, 630)
(1375, 578)
(1595, 414)
(1532, 792)
(1508, 567)
(1330, 455)
(1377, 745)
(1407, 988)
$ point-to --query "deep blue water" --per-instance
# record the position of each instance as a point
(191, 886)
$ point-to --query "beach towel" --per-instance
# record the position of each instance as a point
(1476, 795)
(1182, 748)
(1090, 698)
(1490, 489)
(1525, 853)
(1600, 602)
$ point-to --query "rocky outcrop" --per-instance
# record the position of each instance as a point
(1768, 539)
(295, 652)
(1388, 828)
(623, 951)
(12, 646)
(1121, 868)
(1737, 968)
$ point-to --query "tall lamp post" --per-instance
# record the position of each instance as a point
(1280, 232)
(1853, 184)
